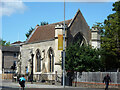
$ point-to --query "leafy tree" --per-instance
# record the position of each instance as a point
(111, 40)
(82, 58)
(29, 32)
(31, 29)
(4, 43)
(100, 27)
(43, 23)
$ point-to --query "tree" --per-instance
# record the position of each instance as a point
(43, 23)
(100, 27)
(4, 43)
(29, 32)
(82, 58)
(110, 42)
(31, 29)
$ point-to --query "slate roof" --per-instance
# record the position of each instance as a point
(46, 32)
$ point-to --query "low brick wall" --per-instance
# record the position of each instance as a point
(94, 85)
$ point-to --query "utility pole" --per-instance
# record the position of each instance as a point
(64, 49)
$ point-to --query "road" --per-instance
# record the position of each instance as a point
(9, 85)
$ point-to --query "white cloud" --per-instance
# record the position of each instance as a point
(8, 7)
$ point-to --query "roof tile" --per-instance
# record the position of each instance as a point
(46, 32)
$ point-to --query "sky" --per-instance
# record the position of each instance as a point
(18, 17)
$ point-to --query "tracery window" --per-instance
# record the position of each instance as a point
(38, 60)
(79, 39)
(51, 60)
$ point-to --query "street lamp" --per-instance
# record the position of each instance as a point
(64, 49)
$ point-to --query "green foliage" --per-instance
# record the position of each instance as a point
(43, 23)
(4, 43)
(82, 58)
(100, 27)
(110, 42)
(29, 32)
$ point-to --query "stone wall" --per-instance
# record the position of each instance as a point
(43, 46)
(26, 56)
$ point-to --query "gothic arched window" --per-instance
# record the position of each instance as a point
(79, 38)
(51, 60)
(38, 60)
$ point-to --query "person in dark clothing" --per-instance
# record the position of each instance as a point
(107, 79)
(22, 82)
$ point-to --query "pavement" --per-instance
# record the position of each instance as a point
(9, 85)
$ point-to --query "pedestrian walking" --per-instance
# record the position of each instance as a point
(22, 82)
(106, 80)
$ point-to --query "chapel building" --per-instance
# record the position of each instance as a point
(40, 51)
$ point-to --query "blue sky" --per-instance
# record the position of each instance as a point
(21, 17)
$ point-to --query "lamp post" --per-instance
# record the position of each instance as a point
(64, 49)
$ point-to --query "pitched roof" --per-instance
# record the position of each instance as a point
(43, 33)
(17, 42)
